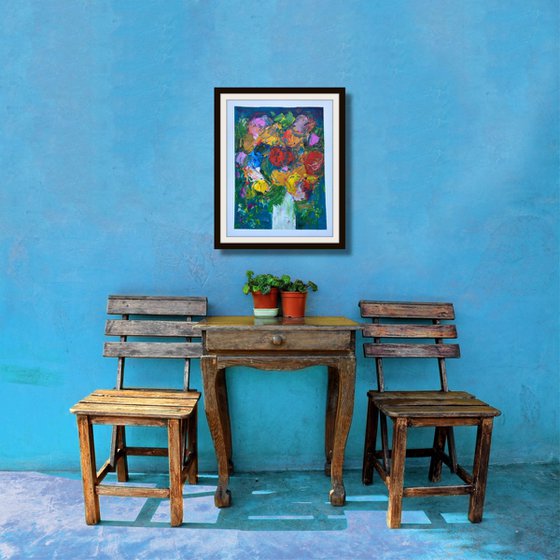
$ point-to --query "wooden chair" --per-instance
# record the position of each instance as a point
(174, 409)
(407, 332)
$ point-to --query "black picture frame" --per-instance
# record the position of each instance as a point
(279, 168)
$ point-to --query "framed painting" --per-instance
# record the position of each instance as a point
(279, 168)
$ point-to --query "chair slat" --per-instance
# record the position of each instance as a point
(452, 411)
(410, 331)
(157, 305)
(374, 350)
(141, 411)
(137, 401)
(142, 393)
(406, 310)
(418, 395)
(152, 328)
(152, 350)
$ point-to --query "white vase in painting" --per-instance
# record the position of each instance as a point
(284, 215)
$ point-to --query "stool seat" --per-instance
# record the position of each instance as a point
(138, 407)
(138, 403)
(427, 404)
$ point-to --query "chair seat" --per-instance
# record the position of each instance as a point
(427, 404)
(138, 403)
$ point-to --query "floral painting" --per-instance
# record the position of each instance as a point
(279, 168)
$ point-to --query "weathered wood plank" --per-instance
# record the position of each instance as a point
(423, 491)
(89, 474)
(278, 361)
(115, 327)
(379, 330)
(277, 341)
(396, 477)
(137, 392)
(157, 305)
(99, 409)
(374, 350)
(432, 421)
(406, 310)
(138, 401)
(442, 403)
(244, 322)
(442, 412)
(147, 451)
(131, 491)
(152, 350)
(104, 471)
(127, 421)
(419, 395)
(175, 473)
(480, 470)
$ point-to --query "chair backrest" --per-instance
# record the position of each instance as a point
(405, 334)
(168, 319)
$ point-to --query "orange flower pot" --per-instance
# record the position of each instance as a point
(265, 305)
(293, 304)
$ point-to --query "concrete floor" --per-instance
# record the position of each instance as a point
(282, 516)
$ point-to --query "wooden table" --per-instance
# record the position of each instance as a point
(280, 344)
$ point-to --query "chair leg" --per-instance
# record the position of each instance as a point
(480, 469)
(89, 475)
(384, 441)
(192, 446)
(175, 468)
(122, 461)
(396, 479)
(452, 449)
(370, 443)
(434, 474)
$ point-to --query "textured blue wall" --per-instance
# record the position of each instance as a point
(107, 187)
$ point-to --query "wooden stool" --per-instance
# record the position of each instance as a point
(442, 410)
(129, 407)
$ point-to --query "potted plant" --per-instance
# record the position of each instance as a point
(264, 289)
(294, 296)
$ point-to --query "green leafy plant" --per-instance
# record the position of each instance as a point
(262, 283)
(289, 285)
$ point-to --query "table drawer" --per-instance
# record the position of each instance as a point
(272, 340)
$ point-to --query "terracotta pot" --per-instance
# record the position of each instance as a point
(293, 304)
(265, 305)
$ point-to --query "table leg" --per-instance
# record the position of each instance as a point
(214, 414)
(344, 409)
(224, 414)
(332, 400)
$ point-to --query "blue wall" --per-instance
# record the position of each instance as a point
(107, 187)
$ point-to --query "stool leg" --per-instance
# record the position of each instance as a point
(192, 446)
(396, 478)
(369, 444)
(439, 445)
(175, 468)
(480, 469)
(89, 475)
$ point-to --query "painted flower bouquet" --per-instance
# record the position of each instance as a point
(279, 160)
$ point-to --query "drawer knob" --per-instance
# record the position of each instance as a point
(277, 340)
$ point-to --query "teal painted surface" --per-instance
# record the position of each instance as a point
(107, 187)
